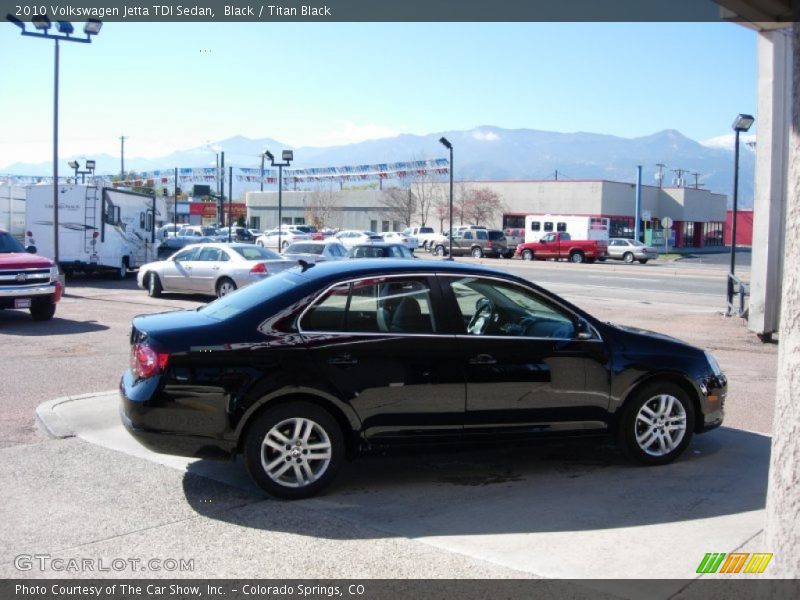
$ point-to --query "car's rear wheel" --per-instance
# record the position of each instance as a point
(657, 423)
(225, 286)
(577, 257)
(643, 261)
(628, 257)
(294, 450)
(527, 254)
(438, 250)
(477, 252)
(154, 288)
(42, 309)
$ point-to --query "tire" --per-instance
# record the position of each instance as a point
(284, 245)
(42, 309)
(225, 286)
(527, 254)
(260, 243)
(601, 258)
(123, 269)
(643, 261)
(628, 257)
(577, 257)
(657, 423)
(439, 250)
(154, 288)
(290, 434)
(425, 246)
(477, 252)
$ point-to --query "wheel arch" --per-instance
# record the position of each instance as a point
(344, 416)
(678, 379)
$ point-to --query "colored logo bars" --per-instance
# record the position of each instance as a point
(736, 562)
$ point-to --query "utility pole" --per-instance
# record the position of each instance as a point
(660, 175)
(679, 173)
(696, 183)
(556, 174)
(122, 157)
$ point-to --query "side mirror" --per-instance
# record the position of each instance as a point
(30, 249)
(584, 330)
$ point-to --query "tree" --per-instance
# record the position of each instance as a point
(461, 197)
(399, 204)
(322, 206)
(481, 204)
(441, 210)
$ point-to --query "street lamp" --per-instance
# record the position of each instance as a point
(64, 32)
(74, 164)
(444, 142)
(742, 123)
(288, 157)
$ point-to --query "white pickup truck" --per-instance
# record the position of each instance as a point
(424, 235)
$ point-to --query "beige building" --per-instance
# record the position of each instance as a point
(698, 215)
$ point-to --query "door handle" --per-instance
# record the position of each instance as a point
(215, 268)
(483, 359)
(342, 360)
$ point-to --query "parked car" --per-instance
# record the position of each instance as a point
(237, 234)
(28, 281)
(398, 237)
(314, 252)
(269, 239)
(213, 268)
(630, 250)
(351, 237)
(424, 235)
(473, 242)
(197, 231)
(561, 245)
(311, 231)
(380, 250)
(301, 370)
(514, 237)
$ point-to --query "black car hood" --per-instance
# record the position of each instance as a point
(632, 334)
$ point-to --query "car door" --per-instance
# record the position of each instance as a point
(378, 344)
(531, 364)
(176, 273)
(206, 269)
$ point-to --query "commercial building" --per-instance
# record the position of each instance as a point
(698, 215)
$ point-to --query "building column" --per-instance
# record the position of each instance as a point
(769, 207)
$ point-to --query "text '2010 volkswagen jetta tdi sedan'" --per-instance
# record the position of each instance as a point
(301, 370)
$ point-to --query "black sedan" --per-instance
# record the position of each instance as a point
(321, 362)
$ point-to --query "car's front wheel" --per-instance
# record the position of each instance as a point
(657, 423)
(43, 309)
(294, 450)
(438, 250)
(527, 254)
(154, 288)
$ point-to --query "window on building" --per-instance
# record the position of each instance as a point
(713, 233)
(373, 225)
(536, 226)
(384, 225)
(513, 222)
(255, 222)
(688, 233)
(561, 226)
(548, 226)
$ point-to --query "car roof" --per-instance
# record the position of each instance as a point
(380, 245)
(390, 266)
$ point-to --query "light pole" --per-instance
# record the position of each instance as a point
(288, 157)
(740, 124)
(444, 141)
(65, 29)
(263, 156)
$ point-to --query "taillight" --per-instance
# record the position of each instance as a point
(146, 362)
(259, 269)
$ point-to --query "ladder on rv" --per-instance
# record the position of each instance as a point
(90, 218)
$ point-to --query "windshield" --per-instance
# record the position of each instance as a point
(9, 244)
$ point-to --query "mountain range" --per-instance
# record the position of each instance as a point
(486, 153)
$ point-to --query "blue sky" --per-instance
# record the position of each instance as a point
(171, 86)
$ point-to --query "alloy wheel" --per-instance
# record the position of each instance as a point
(296, 452)
(660, 425)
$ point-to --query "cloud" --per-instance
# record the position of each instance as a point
(726, 141)
(348, 132)
(485, 136)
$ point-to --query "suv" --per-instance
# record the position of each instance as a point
(474, 242)
(26, 280)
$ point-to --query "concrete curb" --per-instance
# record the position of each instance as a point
(51, 423)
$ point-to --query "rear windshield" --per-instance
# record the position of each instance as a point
(256, 253)
(496, 235)
(253, 295)
(305, 249)
(426, 229)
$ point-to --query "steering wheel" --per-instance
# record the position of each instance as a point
(485, 313)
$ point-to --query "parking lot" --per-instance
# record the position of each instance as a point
(551, 510)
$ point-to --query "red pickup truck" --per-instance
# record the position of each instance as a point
(26, 280)
(561, 245)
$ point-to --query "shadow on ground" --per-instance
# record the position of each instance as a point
(557, 486)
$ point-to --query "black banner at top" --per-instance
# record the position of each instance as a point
(331, 11)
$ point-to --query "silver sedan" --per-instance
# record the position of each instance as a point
(214, 268)
(630, 250)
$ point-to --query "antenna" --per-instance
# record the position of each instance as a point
(660, 174)
(679, 178)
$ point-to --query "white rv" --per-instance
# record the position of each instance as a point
(579, 228)
(98, 228)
